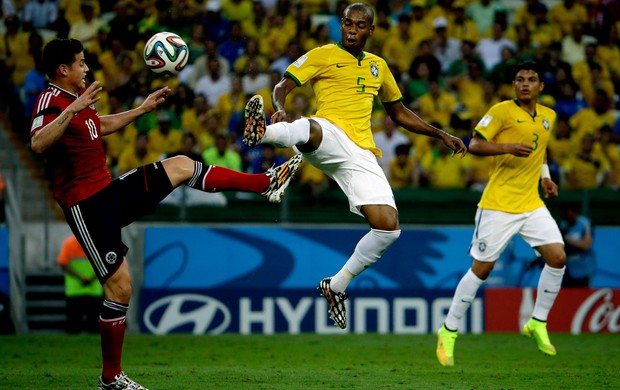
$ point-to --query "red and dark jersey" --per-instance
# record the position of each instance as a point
(77, 161)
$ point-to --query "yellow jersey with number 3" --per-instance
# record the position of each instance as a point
(513, 183)
(345, 88)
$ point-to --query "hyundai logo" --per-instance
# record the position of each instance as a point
(201, 313)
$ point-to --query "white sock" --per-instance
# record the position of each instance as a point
(368, 250)
(284, 134)
(548, 288)
(463, 297)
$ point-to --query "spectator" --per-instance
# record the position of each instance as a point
(587, 168)
(577, 232)
(254, 78)
(440, 171)
(39, 14)
(490, 49)
(237, 10)
(446, 49)
(612, 153)
(387, 140)
(166, 138)
(251, 53)
(231, 102)
(561, 145)
(399, 47)
(188, 148)
(87, 27)
(462, 27)
(421, 29)
(139, 155)
(222, 155)
(589, 119)
(267, 159)
(214, 84)
(83, 292)
(567, 14)
(192, 73)
(574, 45)
(233, 47)
(402, 169)
(257, 26)
(482, 12)
(437, 105)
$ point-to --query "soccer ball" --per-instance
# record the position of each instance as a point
(166, 53)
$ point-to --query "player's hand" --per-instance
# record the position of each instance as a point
(278, 116)
(155, 99)
(520, 150)
(550, 189)
(88, 97)
(454, 143)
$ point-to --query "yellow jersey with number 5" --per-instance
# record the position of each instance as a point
(513, 183)
(345, 88)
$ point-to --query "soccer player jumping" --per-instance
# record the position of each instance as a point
(338, 138)
(67, 129)
(515, 132)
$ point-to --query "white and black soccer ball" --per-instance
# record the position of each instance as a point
(166, 53)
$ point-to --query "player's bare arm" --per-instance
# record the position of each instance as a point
(280, 92)
(550, 189)
(115, 122)
(47, 136)
(409, 120)
(481, 147)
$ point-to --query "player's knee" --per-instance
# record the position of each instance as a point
(557, 259)
(179, 168)
(118, 288)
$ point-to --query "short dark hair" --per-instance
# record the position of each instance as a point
(370, 14)
(60, 52)
(528, 65)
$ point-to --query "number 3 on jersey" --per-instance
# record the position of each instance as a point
(535, 141)
(92, 129)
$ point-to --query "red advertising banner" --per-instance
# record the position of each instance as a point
(575, 311)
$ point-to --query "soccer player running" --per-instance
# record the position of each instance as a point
(338, 138)
(67, 129)
(515, 132)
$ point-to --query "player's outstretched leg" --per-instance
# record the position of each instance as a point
(280, 177)
(538, 330)
(255, 123)
(445, 346)
(337, 309)
(121, 381)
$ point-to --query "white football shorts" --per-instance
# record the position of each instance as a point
(494, 230)
(356, 170)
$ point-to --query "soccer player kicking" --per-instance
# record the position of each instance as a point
(338, 138)
(67, 130)
(515, 132)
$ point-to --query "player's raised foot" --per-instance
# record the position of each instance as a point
(445, 346)
(280, 177)
(121, 382)
(337, 309)
(255, 124)
(538, 330)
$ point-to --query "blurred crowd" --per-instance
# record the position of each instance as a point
(451, 58)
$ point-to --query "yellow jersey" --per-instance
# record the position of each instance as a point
(345, 88)
(513, 184)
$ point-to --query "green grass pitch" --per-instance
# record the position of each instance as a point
(308, 361)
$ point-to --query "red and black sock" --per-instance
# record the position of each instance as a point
(212, 178)
(112, 327)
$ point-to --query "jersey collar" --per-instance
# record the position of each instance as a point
(358, 59)
(518, 105)
(64, 90)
